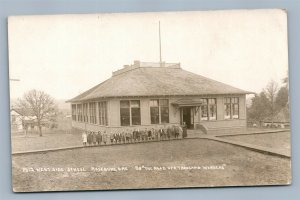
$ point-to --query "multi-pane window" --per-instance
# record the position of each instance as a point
(231, 108)
(212, 104)
(227, 108)
(135, 112)
(159, 111)
(130, 112)
(204, 109)
(164, 110)
(74, 112)
(235, 107)
(92, 113)
(208, 109)
(154, 111)
(79, 112)
(125, 113)
(85, 112)
(102, 112)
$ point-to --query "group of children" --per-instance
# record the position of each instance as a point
(90, 138)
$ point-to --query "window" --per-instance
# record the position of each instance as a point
(74, 112)
(227, 108)
(85, 112)
(204, 109)
(125, 113)
(208, 109)
(135, 112)
(92, 112)
(102, 112)
(79, 112)
(154, 111)
(235, 107)
(159, 111)
(212, 109)
(130, 112)
(164, 110)
(231, 108)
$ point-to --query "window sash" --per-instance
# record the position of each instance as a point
(79, 111)
(102, 113)
(130, 112)
(227, 111)
(154, 113)
(208, 109)
(164, 111)
(154, 103)
(124, 104)
(125, 116)
(213, 112)
(159, 111)
(235, 111)
(204, 112)
(231, 108)
(136, 116)
(92, 113)
(85, 112)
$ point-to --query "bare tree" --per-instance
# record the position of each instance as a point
(40, 105)
(271, 92)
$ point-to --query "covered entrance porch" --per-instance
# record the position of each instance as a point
(189, 110)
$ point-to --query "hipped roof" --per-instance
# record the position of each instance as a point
(157, 81)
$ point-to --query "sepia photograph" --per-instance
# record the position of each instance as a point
(149, 100)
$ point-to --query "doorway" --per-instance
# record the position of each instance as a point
(188, 117)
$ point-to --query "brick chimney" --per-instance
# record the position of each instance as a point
(137, 63)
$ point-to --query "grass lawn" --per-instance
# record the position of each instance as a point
(241, 167)
(279, 140)
(34, 142)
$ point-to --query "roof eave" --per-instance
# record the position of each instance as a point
(168, 95)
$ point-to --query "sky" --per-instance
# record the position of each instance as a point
(64, 55)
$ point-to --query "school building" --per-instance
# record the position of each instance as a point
(147, 95)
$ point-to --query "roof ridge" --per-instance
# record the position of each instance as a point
(125, 71)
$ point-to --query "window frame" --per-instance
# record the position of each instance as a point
(233, 101)
(206, 109)
(208, 106)
(85, 112)
(236, 103)
(156, 108)
(79, 112)
(102, 113)
(160, 107)
(130, 108)
(167, 105)
(92, 107)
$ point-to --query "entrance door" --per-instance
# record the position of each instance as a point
(187, 117)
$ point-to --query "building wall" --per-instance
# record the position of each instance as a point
(218, 126)
(174, 114)
(16, 121)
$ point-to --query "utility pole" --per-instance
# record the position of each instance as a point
(160, 60)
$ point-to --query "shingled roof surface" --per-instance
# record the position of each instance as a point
(157, 81)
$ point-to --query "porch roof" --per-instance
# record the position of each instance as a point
(187, 103)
